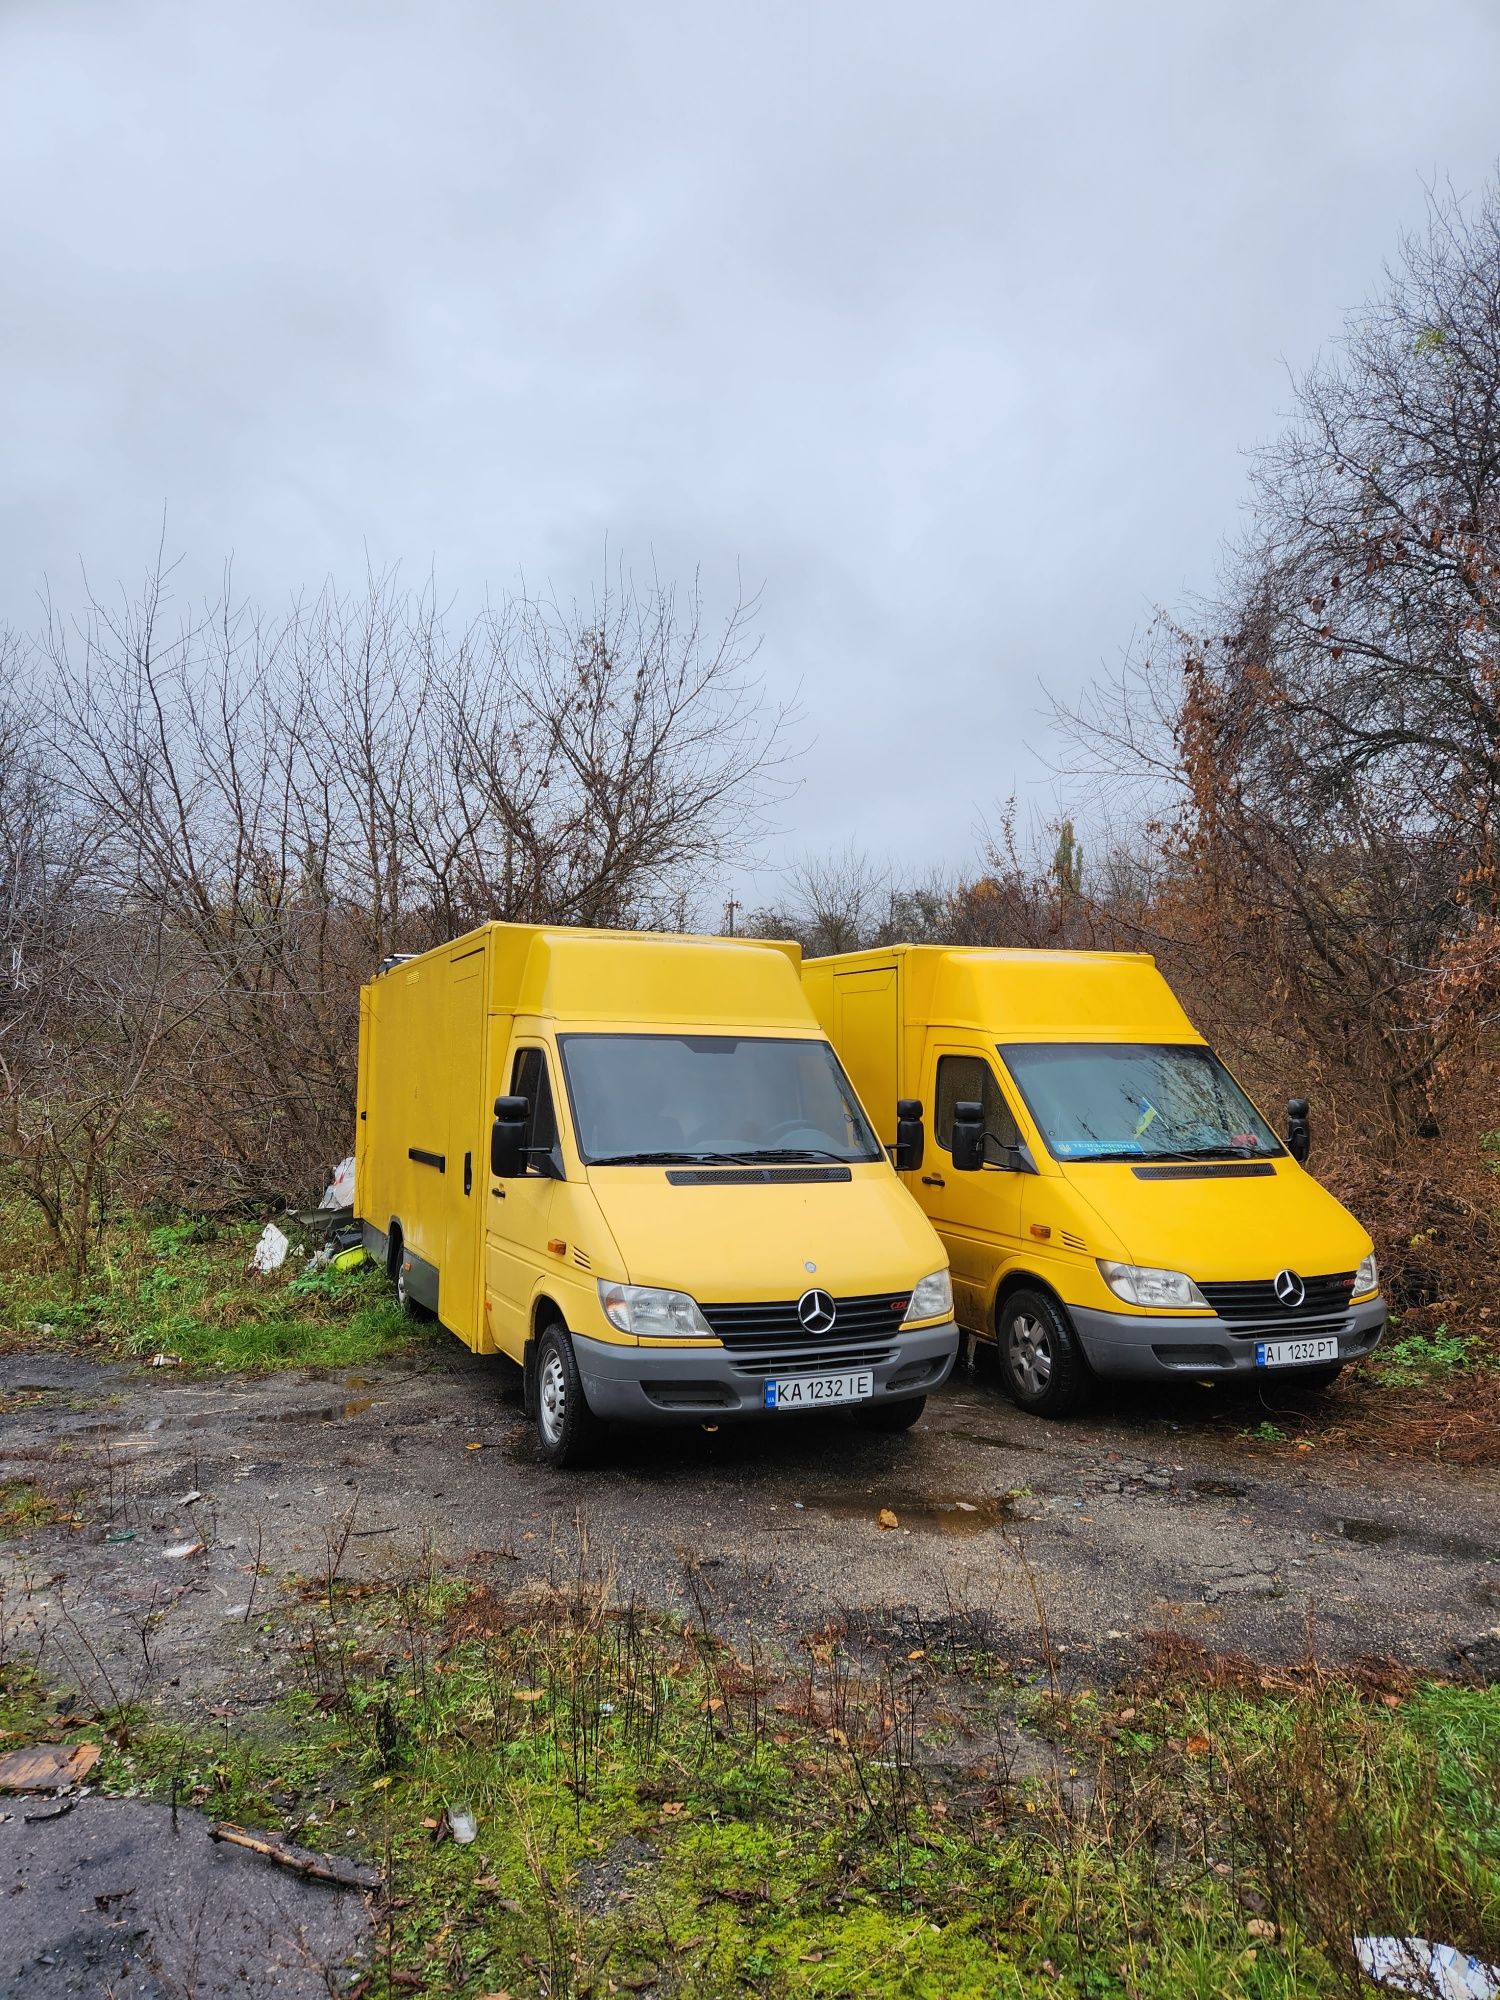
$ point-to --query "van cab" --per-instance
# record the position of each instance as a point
(1112, 1203)
(633, 1164)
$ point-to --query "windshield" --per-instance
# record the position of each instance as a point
(737, 1098)
(1135, 1100)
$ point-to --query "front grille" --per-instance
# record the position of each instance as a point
(1256, 1300)
(1303, 1325)
(752, 1325)
(810, 1360)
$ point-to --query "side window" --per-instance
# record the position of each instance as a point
(529, 1078)
(970, 1080)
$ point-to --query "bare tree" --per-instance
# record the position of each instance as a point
(1320, 749)
(259, 810)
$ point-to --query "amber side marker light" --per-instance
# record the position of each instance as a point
(557, 1246)
(1042, 1229)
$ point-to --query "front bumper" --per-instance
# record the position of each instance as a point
(1144, 1347)
(695, 1385)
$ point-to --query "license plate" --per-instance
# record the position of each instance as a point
(806, 1392)
(1294, 1353)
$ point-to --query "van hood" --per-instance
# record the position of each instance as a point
(727, 1243)
(1235, 1227)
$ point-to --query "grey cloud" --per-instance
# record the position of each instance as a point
(946, 323)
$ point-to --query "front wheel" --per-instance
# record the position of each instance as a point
(892, 1417)
(566, 1428)
(1041, 1361)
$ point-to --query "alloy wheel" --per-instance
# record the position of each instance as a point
(552, 1397)
(1029, 1351)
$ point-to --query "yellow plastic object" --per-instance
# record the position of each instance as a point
(893, 1014)
(349, 1260)
(444, 1034)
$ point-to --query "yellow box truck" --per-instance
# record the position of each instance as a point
(1112, 1203)
(632, 1163)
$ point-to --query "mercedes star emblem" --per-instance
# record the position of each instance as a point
(1289, 1288)
(816, 1311)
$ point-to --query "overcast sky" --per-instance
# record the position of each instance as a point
(948, 324)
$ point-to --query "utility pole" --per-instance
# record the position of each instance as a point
(729, 910)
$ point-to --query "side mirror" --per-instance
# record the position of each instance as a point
(910, 1138)
(968, 1138)
(508, 1138)
(1298, 1131)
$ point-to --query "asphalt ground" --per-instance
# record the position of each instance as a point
(1152, 1514)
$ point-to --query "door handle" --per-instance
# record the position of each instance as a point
(498, 1191)
(468, 1173)
(933, 1180)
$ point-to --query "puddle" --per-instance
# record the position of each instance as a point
(934, 1516)
(1369, 1534)
(1221, 1489)
(319, 1413)
(1375, 1535)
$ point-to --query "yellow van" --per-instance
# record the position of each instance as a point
(1111, 1202)
(632, 1163)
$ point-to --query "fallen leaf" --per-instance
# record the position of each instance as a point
(888, 1518)
(1197, 1745)
(671, 1807)
(917, 1653)
(179, 1550)
(474, 1447)
(1259, 1928)
(528, 1694)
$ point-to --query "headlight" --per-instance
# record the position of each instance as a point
(931, 1299)
(648, 1313)
(1367, 1277)
(1140, 1285)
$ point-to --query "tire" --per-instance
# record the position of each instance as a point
(1041, 1363)
(899, 1414)
(567, 1431)
(1314, 1380)
(413, 1308)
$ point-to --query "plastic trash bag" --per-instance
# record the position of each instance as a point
(339, 1192)
(1413, 1965)
(270, 1252)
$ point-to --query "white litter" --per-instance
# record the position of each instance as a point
(339, 1192)
(161, 1360)
(187, 1499)
(1413, 1965)
(462, 1825)
(270, 1252)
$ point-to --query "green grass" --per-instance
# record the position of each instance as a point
(24, 1508)
(185, 1288)
(1424, 1357)
(653, 1810)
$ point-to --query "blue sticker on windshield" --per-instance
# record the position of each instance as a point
(1081, 1149)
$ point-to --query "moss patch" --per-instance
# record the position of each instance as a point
(655, 1814)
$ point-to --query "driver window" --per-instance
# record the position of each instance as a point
(529, 1079)
(969, 1079)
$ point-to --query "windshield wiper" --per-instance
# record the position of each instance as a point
(665, 1159)
(754, 1155)
(1211, 1153)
